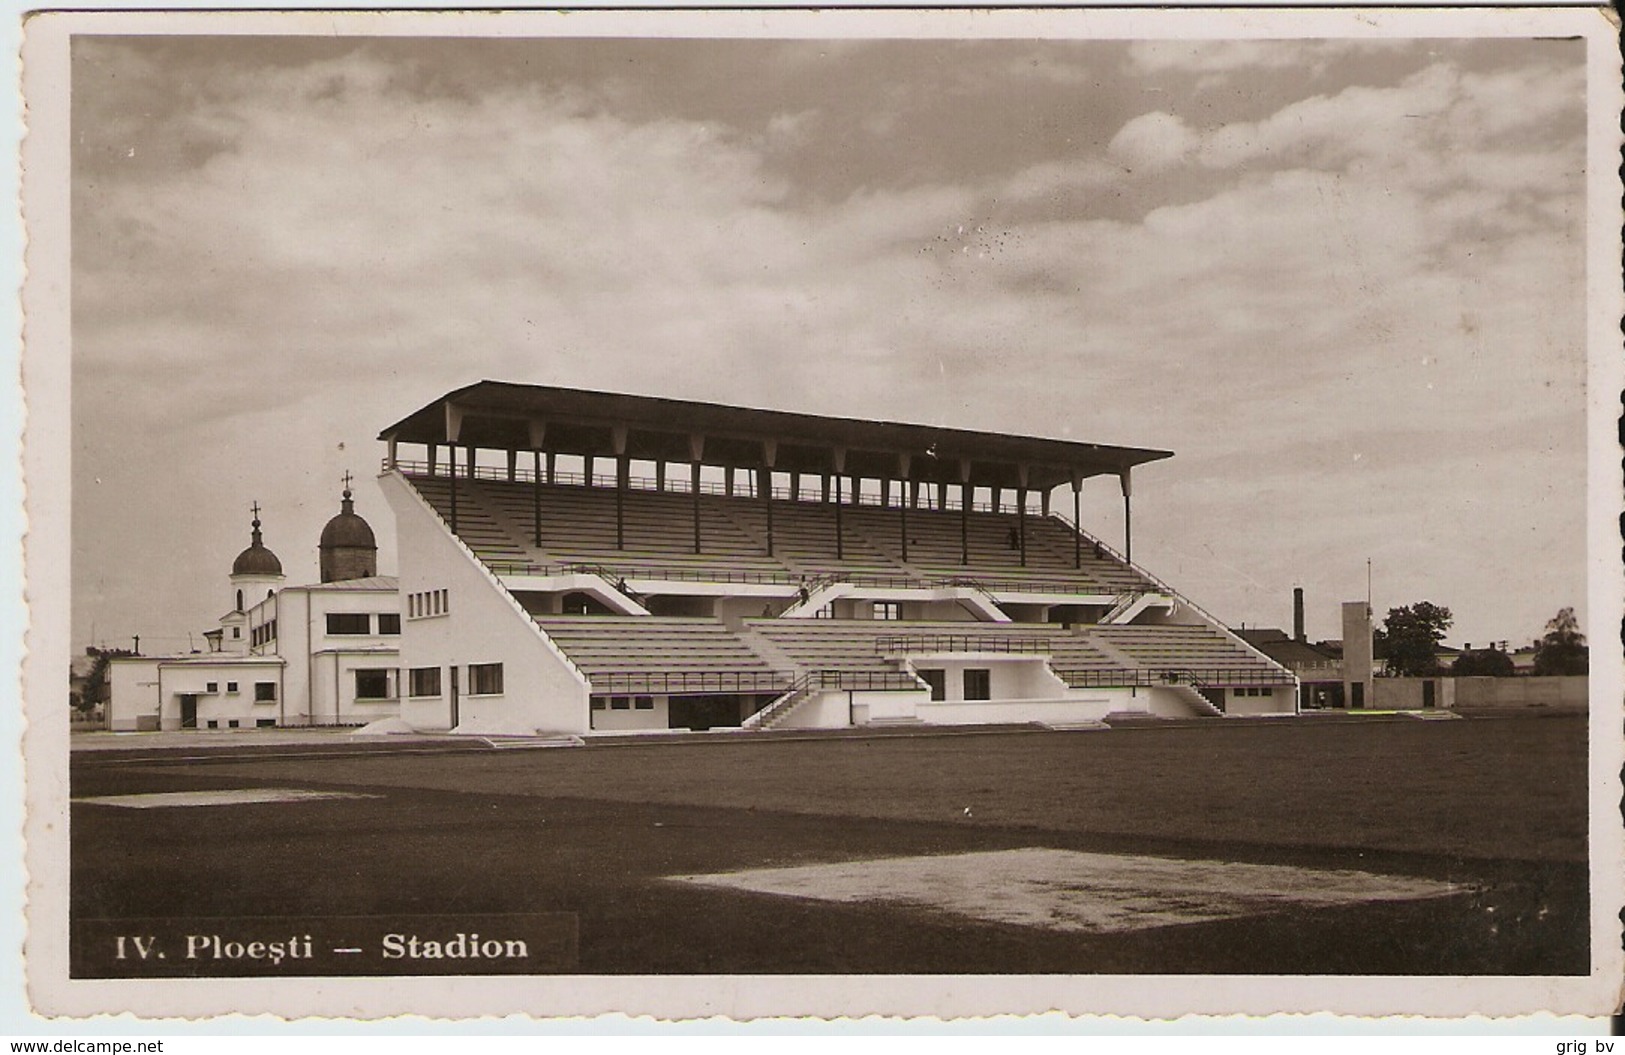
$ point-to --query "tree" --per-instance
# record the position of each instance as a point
(1563, 648)
(1410, 637)
(1483, 663)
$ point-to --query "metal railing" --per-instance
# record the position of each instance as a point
(1151, 677)
(615, 573)
(894, 643)
(689, 681)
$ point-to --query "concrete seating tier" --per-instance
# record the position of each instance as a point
(495, 518)
(1169, 647)
(604, 645)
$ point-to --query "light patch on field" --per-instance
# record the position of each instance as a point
(229, 797)
(1064, 890)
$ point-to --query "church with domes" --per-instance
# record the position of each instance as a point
(322, 654)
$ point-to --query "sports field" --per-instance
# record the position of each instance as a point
(1312, 845)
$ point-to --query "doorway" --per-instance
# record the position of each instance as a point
(188, 710)
(456, 715)
(703, 712)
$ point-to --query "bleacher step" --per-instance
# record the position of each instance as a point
(509, 743)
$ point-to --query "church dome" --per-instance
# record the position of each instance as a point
(348, 549)
(256, 559)
(348, 528)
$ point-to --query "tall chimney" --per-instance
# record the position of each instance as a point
(1297, 615)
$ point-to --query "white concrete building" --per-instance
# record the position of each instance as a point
(326, 653)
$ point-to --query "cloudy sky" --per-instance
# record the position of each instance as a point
(1341, 280)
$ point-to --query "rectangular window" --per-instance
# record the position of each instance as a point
(213, 686)
(374, 685)
(484, 679)
(213, 724)
(231, 686)
(236, 632)
(232, 724)
(264, 690)
(598, 703)
(938, 680)
(644, 703)
(349, 623)
(265, 723)
(978, 683)
(425, 681)
(389, 622)
(890, 610)
(445, 601)
(620, 703)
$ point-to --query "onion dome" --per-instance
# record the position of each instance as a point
(256, 559)
(348, 548)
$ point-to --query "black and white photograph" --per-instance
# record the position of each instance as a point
(790, 512)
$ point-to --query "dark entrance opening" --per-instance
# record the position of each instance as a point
(188, 710)
(1356, 695)
(1429, 699)
(704, 712)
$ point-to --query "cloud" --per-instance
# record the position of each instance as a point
(1153, 141)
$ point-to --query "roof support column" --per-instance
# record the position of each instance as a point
(1128, 516)
(728, 480)
(434, 449)
(451, 464)
(623, 469)
(586, 470)
(538, 439)
(696, 451)
(1077, 521)
(536, 499)
(390, 454)
(552, 467)
(965, 496)
(902, 501)
(942, 496)
(513, 466)
(660, 475)
(839, 454)
(770, 454)
(1021, 513)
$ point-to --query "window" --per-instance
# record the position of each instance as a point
(349, 623)
(890, 610)
(389, 622)
(236, 632)
(231, 686)
(644, 703)
(212, 724)
(598, 703)
(484, 679)
(978, 683)
(374, 684)
(424, 681)
(265, 723)
(239, 600)
(620, 703)
(213, 686)
(938, 680)
(232, 724)
(264, 690)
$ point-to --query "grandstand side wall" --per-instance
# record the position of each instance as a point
(481, 623)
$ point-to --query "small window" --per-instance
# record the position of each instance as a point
(239, 600)
(349, 623)
(213, 686)
(598, 703)
(620, 703)
(890, 610)
(411, 606)
(424, 681)
(231, 686)
(236, 632)
(389, 622)
(484, 679)
(938, 680)
(644, 703)
(978, 683)
(232, 724)
(265, 723)
(374, 685)
(212, 724)
(264, 690)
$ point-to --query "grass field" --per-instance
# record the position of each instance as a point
(1496, 806)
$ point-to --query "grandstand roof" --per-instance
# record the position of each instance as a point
(500, 415)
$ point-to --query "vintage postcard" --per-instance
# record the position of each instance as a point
(823, 513)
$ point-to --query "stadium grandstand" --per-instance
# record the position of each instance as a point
(575, 561)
